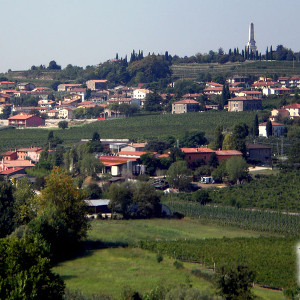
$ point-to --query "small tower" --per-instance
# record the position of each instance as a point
(251, 42)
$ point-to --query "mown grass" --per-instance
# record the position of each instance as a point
(110, 270)
(129, 232)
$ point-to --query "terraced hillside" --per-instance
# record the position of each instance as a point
(259, 68)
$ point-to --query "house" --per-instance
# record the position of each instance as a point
(134, 147)
(293, 109)
(46, 103)
(33, 153)
(64, 87)
(12, 173)
(280, 91)
(10, 155)
(79, 91)
(264, 84)
(5, 98)
(26, 86)
(97, 96)
(53, 113)
(66, 113)
(7, 84)
(140, 94)
(97, 84)
(13, 164)
(26, 120)
(193, 154)
(134, 154)
(253, 94)
(117, 166)
(278, 129)
(213, 90)
(279, 114)
(74, 98)
(185, 106)
(214, 84)
(238, 79)
(226, 154)
(259, 153)
(237, 104)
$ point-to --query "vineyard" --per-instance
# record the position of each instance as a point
(275, 192)
(272, 259)
(135, 128)
(258, 68)
(256, 220)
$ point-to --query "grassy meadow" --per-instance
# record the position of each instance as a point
(114, 267)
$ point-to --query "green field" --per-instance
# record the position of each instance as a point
(135, 128)
(110, 270)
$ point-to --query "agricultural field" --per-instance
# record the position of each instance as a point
(119, 264)
(247, 219)
(258, 68)
(273, 192)
(272, 259)
(135, 128)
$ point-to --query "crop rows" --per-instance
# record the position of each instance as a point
(257, 220)
(272, 259)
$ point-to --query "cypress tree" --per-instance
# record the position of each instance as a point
(255, 126)
(269, 128)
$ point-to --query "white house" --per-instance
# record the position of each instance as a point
(277, 129)
(140, 93)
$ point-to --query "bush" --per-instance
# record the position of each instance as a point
(159, 258)
(177, 264)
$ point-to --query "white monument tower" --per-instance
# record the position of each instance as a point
(251, 42)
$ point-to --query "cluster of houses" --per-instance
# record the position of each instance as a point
(14, 162)
(124, 159)
(244, 96)
(73, 96)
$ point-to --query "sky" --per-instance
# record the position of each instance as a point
(88, 32)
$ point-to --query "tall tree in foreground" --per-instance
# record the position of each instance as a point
(62, 220)
(179, 175)
(269, 129)
(236, 283)
(25, 270)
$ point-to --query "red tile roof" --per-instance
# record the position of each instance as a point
(197, 150)
(11, 171)
(229, 152)
(22, 116)
(186, 101)
(243, 99)
(273, 124)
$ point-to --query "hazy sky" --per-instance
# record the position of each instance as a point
(87, 32)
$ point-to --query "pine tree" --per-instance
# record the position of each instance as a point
(271, 53)
(267, 54)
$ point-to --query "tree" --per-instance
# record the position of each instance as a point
(147, 200)
(201, 196)
(25, 270)
(150, 162)
(120, 196)
(235, 283)
(156, 145)
(269, 129)
(237, 169)
(62, 219)
(25, 205)
(213, 160)
(178, 175)
(194, 139)
(294, 153)
(219, 137)
(228, 142)
(176, 154)
(240, 132)
(63, 124)
(53, 65)
(6, 209)
(255, 126)
(6, 112)
(96, 136)
(153, 102)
